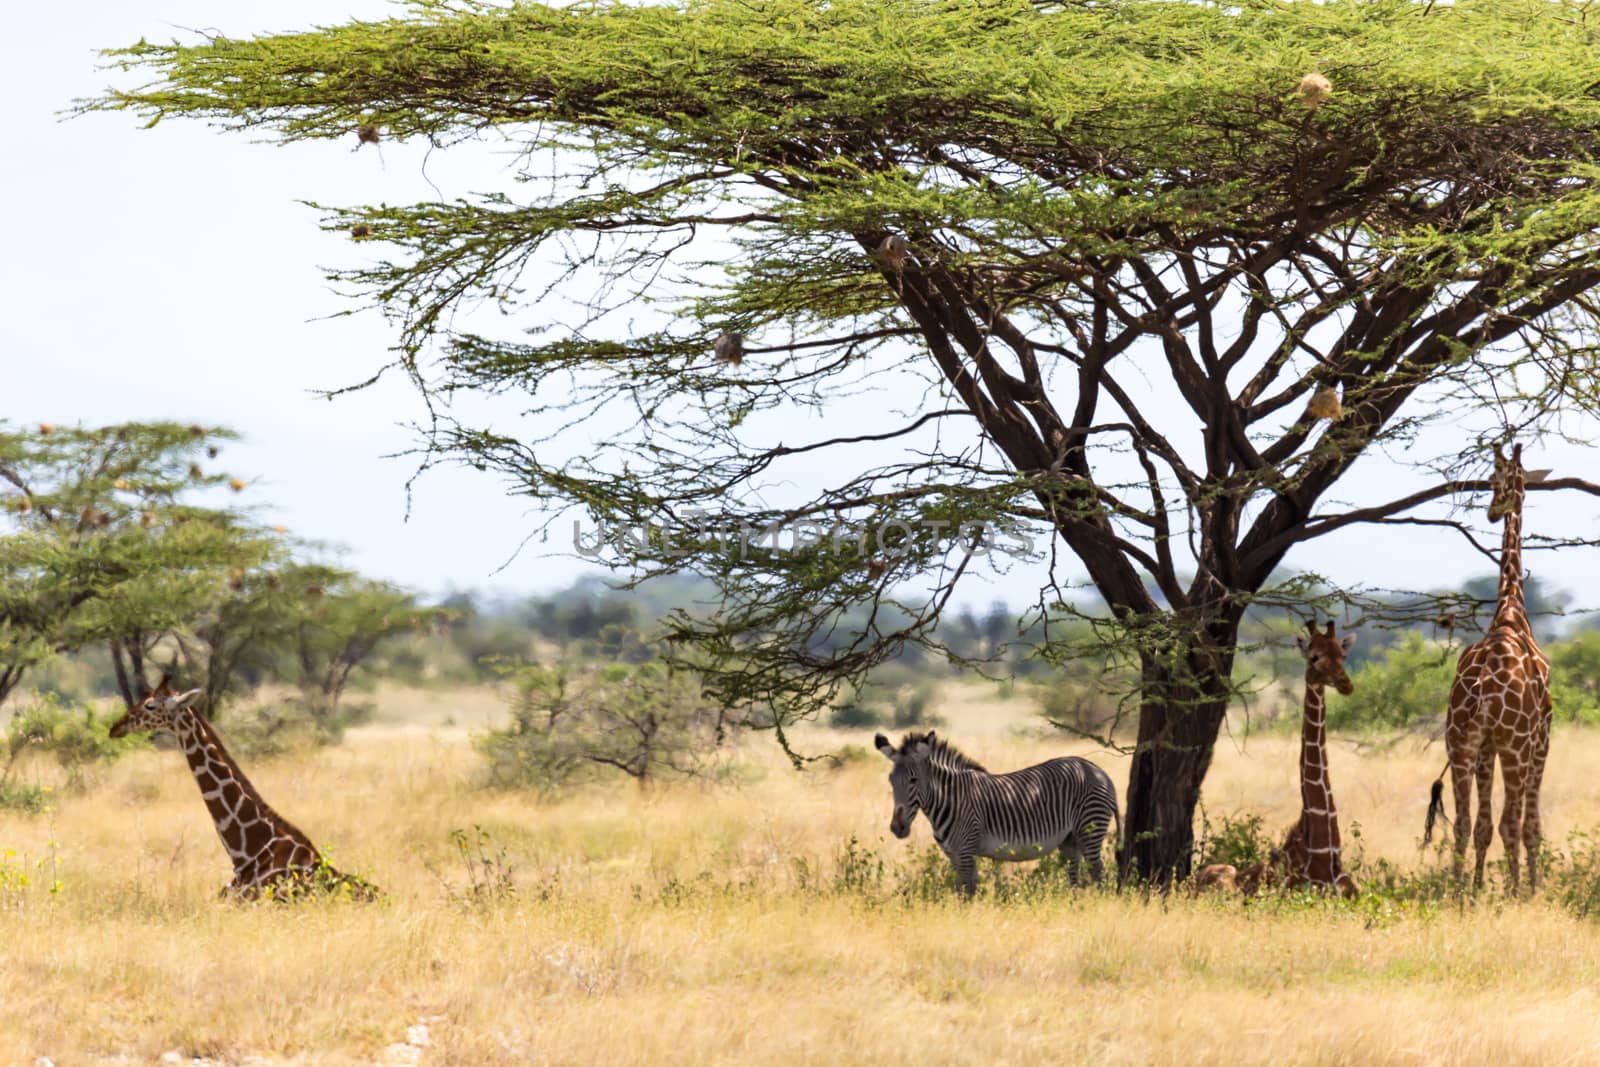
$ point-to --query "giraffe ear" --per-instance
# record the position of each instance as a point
(1348, 641)
(1299, 642)
(185, 698)
(1529, 477)
(1516, 453)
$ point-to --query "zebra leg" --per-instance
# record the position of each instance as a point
(1094, 842)
(1074, 856)
(966, 866)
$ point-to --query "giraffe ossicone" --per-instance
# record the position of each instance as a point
(271, 857)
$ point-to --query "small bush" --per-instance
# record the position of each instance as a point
(854, 716)
(1079, 699)
(1239, 841)
(644, 720)
(24, 798)
(1576, 882)
(291, 724)
(911, 707)
(75, 742)
(1410, 684)
(1575, 678)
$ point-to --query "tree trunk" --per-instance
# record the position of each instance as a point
(1185, 695)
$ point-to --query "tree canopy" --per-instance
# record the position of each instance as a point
(1138, 280)
(102, 542)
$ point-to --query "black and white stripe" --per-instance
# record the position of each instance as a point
(1066, 804)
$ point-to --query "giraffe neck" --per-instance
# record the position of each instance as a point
(1509, 608)
(1313, 845)
(1316, 792)
(245, 823)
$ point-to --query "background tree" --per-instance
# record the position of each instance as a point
(1119, 267)
(336, 622)
(236, 638)
(643, 719)
(102, 544)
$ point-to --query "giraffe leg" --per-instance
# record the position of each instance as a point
(1511, 771)
(1531, 830)
(1532, 827)
(1483, 825)
(1461, 774)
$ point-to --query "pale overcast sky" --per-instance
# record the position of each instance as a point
(172, 273)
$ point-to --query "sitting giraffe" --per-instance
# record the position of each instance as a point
(1310, 853)
(270, 857)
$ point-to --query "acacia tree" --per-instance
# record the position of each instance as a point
(101, 543)
(335, 622)
(1097, 257)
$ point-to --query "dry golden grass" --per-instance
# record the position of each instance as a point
(669, 926)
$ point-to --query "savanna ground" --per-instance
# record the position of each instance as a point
(737, 922)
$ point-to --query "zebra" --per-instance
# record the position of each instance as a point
(1065, 804)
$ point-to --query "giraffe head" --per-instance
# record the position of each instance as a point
(1509, 481)
(159, 710)
(1324, 652)
(908, 779)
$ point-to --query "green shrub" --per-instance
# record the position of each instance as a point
(1576, 882)
(854, 715)
(75, 741)
(643, 719)
(1409, 684)
(20, 796)
(291, 724)
(1239, 841)
(911, 707)
(1575, 677)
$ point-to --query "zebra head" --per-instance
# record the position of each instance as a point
(908, 779)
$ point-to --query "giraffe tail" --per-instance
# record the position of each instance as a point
(1435, 807)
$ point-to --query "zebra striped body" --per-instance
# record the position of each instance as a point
(1064, 805)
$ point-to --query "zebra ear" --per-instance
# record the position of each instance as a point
(922, 746)
(884, 746)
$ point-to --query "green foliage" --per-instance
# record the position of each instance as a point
(1576, 882)
(853, 715)
(1575, 677)
(29, 798)
(572, 724)
(1239, 841)
(100, 540)
(1128, 132)
(76, 742)
(334, 623)
(1409, 684)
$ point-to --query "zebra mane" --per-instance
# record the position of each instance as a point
(944, 754)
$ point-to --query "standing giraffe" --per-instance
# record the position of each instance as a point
(269, 854)
(1310, 853)
(1500, 703)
